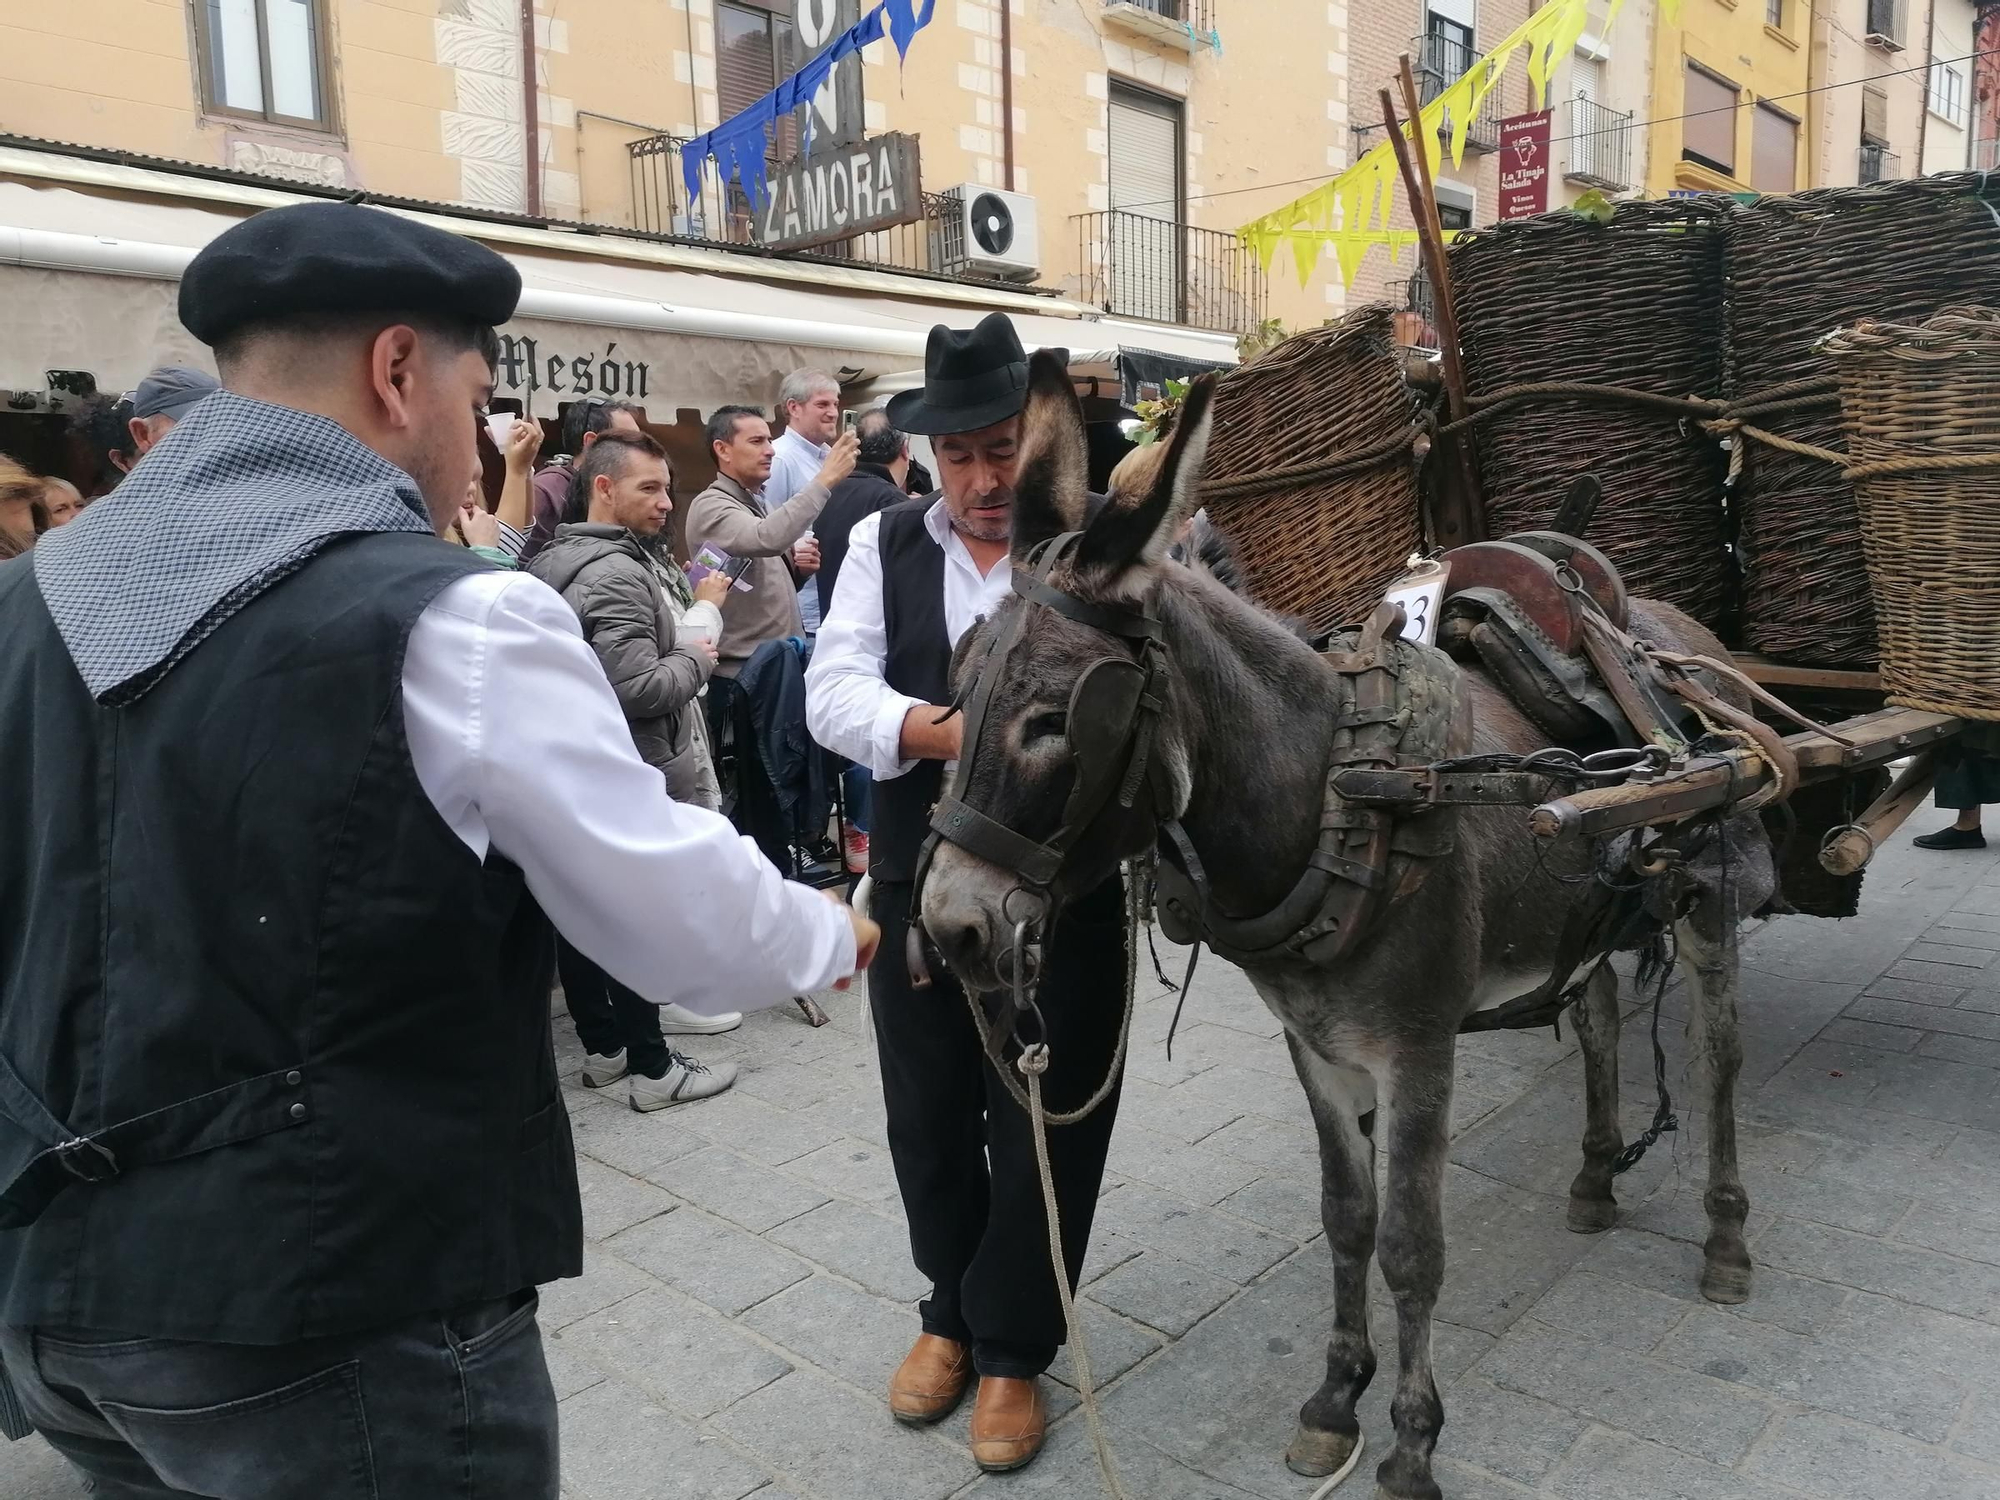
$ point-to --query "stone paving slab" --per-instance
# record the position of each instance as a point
(747, 1288)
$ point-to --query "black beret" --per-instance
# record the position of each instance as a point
(341, 257)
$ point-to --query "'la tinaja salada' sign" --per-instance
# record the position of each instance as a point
(829, 196)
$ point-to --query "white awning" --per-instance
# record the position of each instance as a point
(90, 255)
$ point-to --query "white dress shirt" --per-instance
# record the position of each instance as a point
(850, 708)
(520, 744)
(795, 462)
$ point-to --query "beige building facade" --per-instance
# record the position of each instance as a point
(1131, 135)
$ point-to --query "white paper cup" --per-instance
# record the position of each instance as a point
(500, 424)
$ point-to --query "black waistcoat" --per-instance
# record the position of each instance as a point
(918, 664)
(237, 884)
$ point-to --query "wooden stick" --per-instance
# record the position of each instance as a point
(1851, 849)
(1461, 515)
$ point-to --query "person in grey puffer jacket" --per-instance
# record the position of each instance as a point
(603, 564)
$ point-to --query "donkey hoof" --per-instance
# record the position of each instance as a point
(1726, 1284)
(1592, 1215)
(1316, 1454)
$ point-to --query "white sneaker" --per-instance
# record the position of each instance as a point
(686, 1080)
(601, 1072)
(676, 1020)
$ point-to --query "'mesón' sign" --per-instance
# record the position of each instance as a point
(818, 199)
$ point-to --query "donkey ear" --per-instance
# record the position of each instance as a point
(1052, 483)
(1152, 492)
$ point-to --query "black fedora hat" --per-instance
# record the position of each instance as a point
(972, 379)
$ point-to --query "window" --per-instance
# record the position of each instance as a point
(1774, 13)
(1874, 115)
(1774, 150)
(1145, 247)
(1456, 203)
(1708, 134)
(265, 58)
(1144, 138)
(753, 54)
(1947, 93)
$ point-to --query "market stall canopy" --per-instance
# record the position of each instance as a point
(90, 253)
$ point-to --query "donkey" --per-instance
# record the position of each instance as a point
(1243, 744)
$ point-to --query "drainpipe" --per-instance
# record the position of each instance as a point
(531, 110)
(1924, 82)
(1007, 91)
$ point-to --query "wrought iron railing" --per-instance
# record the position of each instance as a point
(1441, 62)
(1878, 164)
(1884, 24)
(1600, 145)
(1418, 298)
(1136, 266)
(1199, 14)
(720, 215)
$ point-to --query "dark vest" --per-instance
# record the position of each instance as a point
(236, 887)
(918, 664)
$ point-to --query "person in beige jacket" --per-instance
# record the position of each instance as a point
(730, 514)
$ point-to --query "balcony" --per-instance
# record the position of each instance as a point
(1135, 266)
(1600, 146)
(724, 216)
(1416, 319)
(1878, 164)
(1186, 24)
(1884, 25)
(1441, 62)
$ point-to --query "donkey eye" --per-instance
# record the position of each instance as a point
(1050, 726)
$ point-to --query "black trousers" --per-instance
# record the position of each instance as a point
(456, 1404)
(608, 1015)
(963, 1151)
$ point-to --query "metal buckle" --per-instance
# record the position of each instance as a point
(87, 1160)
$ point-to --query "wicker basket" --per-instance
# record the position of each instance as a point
(1321, 549)
(1921, 408)
(1798, 267)
(1637, 303)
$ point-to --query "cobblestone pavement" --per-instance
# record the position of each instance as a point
(748, 1285)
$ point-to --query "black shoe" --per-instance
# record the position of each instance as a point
(1951, 838)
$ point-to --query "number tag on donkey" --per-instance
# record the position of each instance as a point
(1421, 592)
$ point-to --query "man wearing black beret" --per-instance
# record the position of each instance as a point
(283, 1156)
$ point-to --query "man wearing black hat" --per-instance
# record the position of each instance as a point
(283, 1156)
(916, 578)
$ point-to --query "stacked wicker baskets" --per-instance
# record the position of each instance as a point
(1798, 267)
(1311, 472)
(1637, 303)
(1921, 407)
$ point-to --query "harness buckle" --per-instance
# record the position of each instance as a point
(87, 1160)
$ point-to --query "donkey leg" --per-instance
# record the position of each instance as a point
(1592, 1208)
(1709, 959)
(1342, 1098)
(1411, 1246)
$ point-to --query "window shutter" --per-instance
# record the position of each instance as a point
(1709, 131)
(1875, 113)
(1145, 147)
(1774, 151)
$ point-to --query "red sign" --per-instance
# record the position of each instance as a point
(1524, 165)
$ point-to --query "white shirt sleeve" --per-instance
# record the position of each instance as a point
(521, 747)
(850, 708)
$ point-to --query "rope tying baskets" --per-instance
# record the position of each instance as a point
(1920, 405)
(1553, 308)
(1799, 266)
(1311, 470)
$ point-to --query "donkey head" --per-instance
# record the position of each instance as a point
(1057, 738)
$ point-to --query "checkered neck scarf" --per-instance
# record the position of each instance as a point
(240, 494)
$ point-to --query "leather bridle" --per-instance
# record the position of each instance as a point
(1111, 726)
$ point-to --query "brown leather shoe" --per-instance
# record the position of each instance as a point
(1008, 1423)
(931, 1381)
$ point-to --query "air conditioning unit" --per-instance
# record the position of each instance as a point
(987, 232)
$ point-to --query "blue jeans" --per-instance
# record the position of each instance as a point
(856, 785)
(452, 1406)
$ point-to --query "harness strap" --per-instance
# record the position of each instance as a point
(238, 1112)
(1198, 878)
(1107, 618)
(991, 840)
